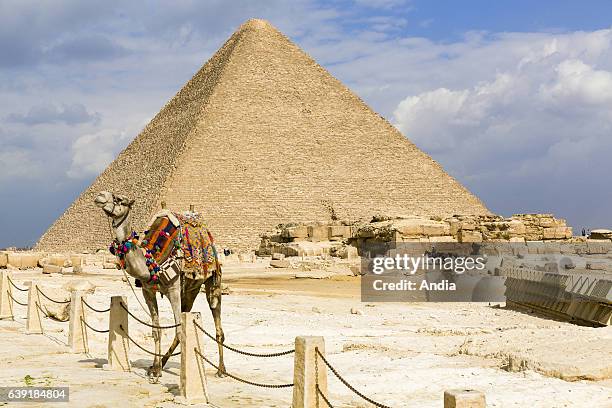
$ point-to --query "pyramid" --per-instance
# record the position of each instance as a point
(263, 135)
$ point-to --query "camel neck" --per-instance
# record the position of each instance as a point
(122, 230)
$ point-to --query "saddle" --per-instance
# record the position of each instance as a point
(174, 238)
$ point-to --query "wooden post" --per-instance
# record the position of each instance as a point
(118, 343)
(77, 334)
(193, 385)
(463, 398)
(33, 324)
(304, 369)
(6, 304)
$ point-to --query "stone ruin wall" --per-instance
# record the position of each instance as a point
(298, 239)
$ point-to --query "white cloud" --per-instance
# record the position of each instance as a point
(578, 82)
(93, 152)
(536, 135)
(18, 164)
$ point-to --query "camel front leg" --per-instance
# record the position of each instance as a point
(174, 296)
(154, 372)
(213, 296)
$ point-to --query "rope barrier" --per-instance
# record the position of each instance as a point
(17, 287)
(144, 349)
(93, 308)
(15, 300)
(246, 353)
(324, 397)
(148, 324)
(349, 386)
(92, 328)
(61, 302)
(46, 313)
(241, 379)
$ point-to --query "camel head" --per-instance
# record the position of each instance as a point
(115, 206)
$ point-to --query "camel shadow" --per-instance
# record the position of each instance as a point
(99, 362)
(145, 364)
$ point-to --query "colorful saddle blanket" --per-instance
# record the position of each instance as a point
(182, 236)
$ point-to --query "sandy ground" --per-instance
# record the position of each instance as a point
(403, 355)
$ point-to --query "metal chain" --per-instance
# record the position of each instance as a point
(92, 328)
(148, 324)
(317, 378)
(17, 287)
(15, 300)
(62, 302)
(241, 379)
(324, 397)
(144, 349)
(349, 386)
(94, 309)
(46, 313)
(246, 353)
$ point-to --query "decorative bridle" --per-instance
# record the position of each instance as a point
(121, 248)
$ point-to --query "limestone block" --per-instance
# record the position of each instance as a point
(546, 222)
(14, 259)
(280, 263)
(594, 247)
(59, 260)
(81, 285)
(49, 268)
(469, 236)
(468, 225)
(409, 227)
(318, 233)
(464, 398)
(300, 231)
(347, 252)
(77, 260)
(516, 227)
(29, 260)
(109, 265)
(341, 231)
(436, 229)
(535, 247)
(277, 256)
(454, 225)
(443, 238)
(3, 259)
(595, 234)
(60, 311)
(293, 250)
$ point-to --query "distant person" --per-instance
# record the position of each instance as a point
(227, 252)
(583, 232)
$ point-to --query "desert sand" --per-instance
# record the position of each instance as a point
(400, 354)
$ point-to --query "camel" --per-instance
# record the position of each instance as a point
(180, 292)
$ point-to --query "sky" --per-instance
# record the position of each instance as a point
(513, 98)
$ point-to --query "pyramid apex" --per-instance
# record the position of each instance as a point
(256, 24)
